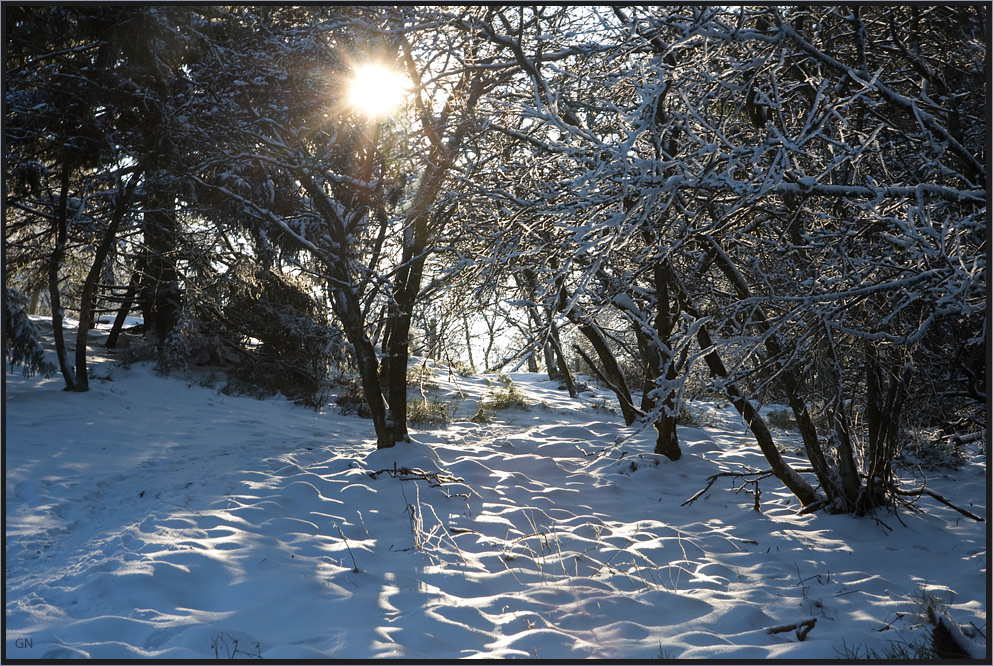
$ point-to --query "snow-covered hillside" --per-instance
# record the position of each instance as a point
(156, 517)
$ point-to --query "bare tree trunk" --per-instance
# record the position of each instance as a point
(611, 369)
(780, 468)
(88, 296)
(122, 313)
(790, 378)
(468, 342)
(348, 310)
(563, 366)
(61, 222)
(883, 410)
(851, 485)
(159, 294)
(667, 442)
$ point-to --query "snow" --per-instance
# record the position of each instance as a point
(155, 517)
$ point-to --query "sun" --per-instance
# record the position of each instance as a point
(376, 90)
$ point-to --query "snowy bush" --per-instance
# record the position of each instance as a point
(428, 412)
(264, 330)
(509, 397)
(350, 399)
(21, 338)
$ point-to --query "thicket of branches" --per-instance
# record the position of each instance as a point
(767, 204)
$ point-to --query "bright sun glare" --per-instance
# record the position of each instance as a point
(376, 90)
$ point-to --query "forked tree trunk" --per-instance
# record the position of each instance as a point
(790, 378)
(780, 468)
(88, 297)
(884, 406)
(841, 435)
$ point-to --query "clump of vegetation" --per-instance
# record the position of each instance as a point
(665, 654)
(918, 650)
(928, 450)
(929, 604)
(509, 397)
(428, 412)
(503, 379)
(263, 329)
(781, 419)
(695, 418)
(422, 377)
(351, 400)
(602, 405)
(463, 369)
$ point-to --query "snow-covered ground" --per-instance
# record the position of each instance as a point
(156, 517)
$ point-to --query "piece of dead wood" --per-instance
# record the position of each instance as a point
(917, 492)
(801, 628)
(434, 479)
(758, 476)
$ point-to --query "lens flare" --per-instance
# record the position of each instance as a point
(376, 90)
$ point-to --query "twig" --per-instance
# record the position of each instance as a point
(445, 530)
(607, 561)
(413, 474)
(355, 566)
(713, 479)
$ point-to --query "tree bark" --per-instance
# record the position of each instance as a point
(122, 313)
(159, 295)
(90, 284)
(782, 470)
(61, 223)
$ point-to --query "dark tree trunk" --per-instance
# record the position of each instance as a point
(612, 374)
(61, 223)
(397, 343)
(883, 410)
(92, 278)
(159, 295)
(562, 365)
(667, 443)
(347, 309)
(122, 313)
(780, 468)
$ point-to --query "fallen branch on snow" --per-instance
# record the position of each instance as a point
(740, 475)
(801, 628)
(917, 492)
(414, 474)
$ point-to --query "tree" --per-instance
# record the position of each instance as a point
(68, 89)
(21, 338)
(749, 201)
(353, 209)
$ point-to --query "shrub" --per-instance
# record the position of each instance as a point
(509, 398)
(21, 338)
(264, 330)
(506, 398)
(422, 377)
(781, 419)
(690, 417)
(351, 399)
(926, 448)
(427, 412)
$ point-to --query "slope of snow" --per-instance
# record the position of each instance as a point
(153, 517)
